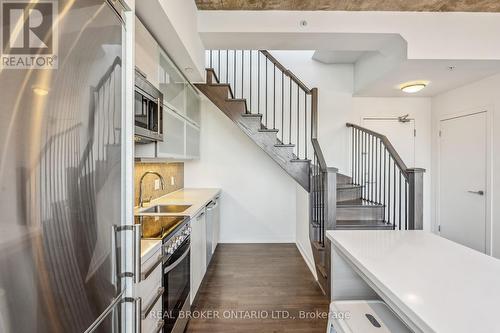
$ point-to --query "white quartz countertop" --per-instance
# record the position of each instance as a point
(439, 285)
(198, 198)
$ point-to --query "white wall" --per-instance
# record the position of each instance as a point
(335, 87)
(258, 198)
(481, 95)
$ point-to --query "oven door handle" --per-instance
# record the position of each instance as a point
(172, 266)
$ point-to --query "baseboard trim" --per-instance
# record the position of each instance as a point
(307, 260)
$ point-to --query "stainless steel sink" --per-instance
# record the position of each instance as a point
(164, 209)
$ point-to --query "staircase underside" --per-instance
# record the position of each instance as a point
(251, 124)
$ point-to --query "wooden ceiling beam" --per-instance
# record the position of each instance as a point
(354, 5)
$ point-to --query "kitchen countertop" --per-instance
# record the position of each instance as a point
(196, 197)
(436, 284)
(149, 247)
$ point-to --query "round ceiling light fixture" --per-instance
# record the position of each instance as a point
(413, 87)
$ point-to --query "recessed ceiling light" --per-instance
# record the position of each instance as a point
(40, 91)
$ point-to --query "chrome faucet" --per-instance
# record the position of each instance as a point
(141, 200)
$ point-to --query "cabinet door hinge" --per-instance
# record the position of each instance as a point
(414, 132)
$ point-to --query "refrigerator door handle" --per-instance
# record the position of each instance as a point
(137, 253)
(138, 315)
(136, 245)
(106, 312)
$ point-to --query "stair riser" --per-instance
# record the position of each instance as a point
(348, 194)
(343, 179)
(360, 213)
(237, 107)
(252, 123)
(222, 91)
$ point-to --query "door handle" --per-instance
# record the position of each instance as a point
(480, 192)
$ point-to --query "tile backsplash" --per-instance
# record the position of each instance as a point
(167, 170)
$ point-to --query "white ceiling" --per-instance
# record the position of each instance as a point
(437, 72)
(338, 57)
(381, 73)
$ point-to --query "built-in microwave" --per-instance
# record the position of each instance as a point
(148, 110)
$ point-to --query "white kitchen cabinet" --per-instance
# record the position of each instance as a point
(174, 142)
(193, 105)
(147, 53)
(172, 84)
(181, 102)
(198, 252)
(150, 288)
(216, 224)
(192, 141)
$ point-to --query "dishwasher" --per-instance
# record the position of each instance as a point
(212, 223)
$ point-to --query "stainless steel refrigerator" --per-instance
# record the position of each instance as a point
(60, 175)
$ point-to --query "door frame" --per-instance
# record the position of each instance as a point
(489, 168)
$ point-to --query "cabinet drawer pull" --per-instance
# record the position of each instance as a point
(159, 260)
(150, 306)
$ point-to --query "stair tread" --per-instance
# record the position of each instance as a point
(284, 145)
(268, 130)
(353, 224)
(300, 160)
(358, 203)
(219, 84)
(347, 186)
(318, 246)
(251, 115)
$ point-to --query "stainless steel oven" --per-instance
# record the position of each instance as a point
(148, 110)
(176, 279)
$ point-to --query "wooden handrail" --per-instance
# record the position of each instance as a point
(390, 148)
(286, 71)
(314, 130)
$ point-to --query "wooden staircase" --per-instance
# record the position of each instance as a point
(355, 213)
(380, 194)
(236, 109)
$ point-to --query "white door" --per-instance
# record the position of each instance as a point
(400, 134)
(462, 184)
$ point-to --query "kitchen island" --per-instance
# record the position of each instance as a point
(431, 283)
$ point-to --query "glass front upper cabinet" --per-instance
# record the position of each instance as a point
(172, 84)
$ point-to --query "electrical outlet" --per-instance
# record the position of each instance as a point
(172, 180)
(157, 184)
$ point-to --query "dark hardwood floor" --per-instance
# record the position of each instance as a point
(258, 288)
